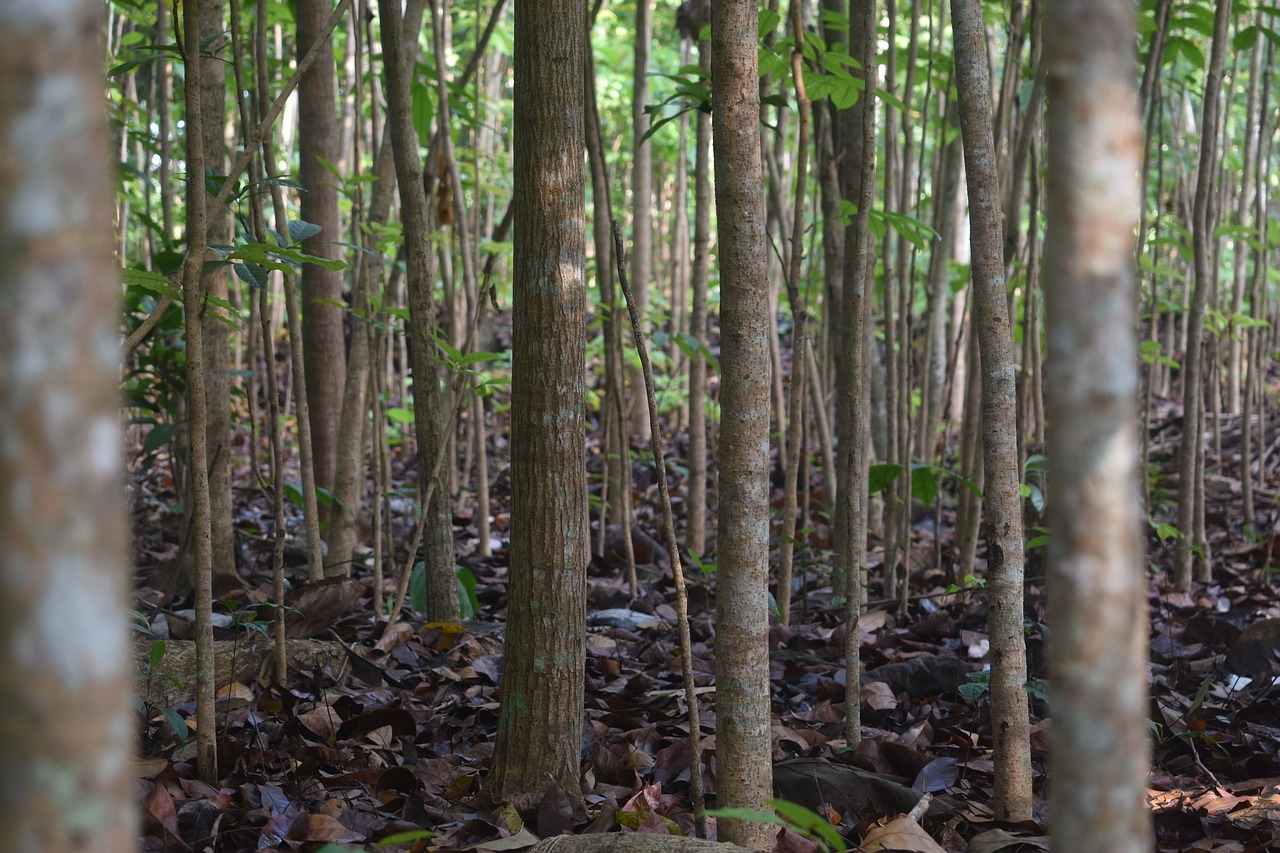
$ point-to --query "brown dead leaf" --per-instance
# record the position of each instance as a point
(878, 696)
(316, 606)
(995, 840)
(158, 805)
(900, 834)
(322, 828)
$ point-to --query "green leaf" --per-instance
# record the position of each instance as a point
(769, 20)
(469, 605)
(418, 587)
(400, 415)
(300, 230)
(252, 274)
(477, 357)
(424, 109)
(176, 723)
(924, 483)
(881, 476)
(809, 821)
(159, 436)
(893, 100)
(151, 281)
(404, 837)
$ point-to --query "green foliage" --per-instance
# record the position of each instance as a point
(794, 817)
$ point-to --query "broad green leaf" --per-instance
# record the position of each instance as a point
(151, 281)
(300, 230)
(880, 476)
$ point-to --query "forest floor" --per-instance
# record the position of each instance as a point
(381, 737)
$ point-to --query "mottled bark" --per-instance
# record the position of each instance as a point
(540, 723)
(1002, 500)
(743, 770)
(66, 724)
(1097, 572)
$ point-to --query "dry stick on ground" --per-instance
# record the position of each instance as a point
(669, 534)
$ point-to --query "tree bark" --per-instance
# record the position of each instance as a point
(1097, 572)
(1003, 503)
(1192, 385)
(540, 723)
(66, 723)
(428, 395)
(744, 771)
(215, 333)
(322, 323)
(696, 540)
(642, 205)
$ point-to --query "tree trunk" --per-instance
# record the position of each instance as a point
(945, 212)
(1003, 503)
(1192, 386)
(744, 771)
(696, 541)
(428, 395)
(215, 333)
(66, 723)
(1096, 567)
(540, 725)
(322, 326)
(642, 201)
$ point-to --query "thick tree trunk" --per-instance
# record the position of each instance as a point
(66, 722)
(1096, 567)
(1003, 503)
(540, 726)
(744, 771)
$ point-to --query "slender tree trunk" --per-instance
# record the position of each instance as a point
(1098, 582)
(945, 212)
(429, 397)
(540, 725)
(744, 770)
(66, 722)
(853, 150)
(206, 733)
(1003, 504)
(215, 333)
(696, 540)
(800, 331)
(322, 322)
(1192, 385)
(642, 201)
